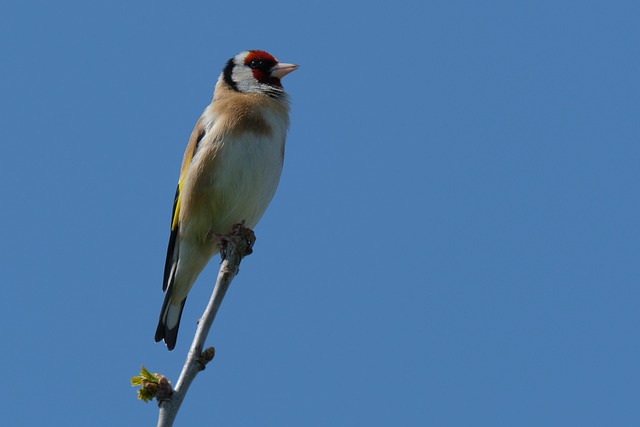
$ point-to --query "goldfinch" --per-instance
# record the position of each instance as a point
(229, 174)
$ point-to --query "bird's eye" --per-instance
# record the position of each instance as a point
(256, 63)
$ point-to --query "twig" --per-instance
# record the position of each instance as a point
(233, 248)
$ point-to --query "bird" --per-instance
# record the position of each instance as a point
(230, 171)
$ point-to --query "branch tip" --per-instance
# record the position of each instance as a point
(151, 385)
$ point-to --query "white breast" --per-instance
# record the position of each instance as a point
(232, 178)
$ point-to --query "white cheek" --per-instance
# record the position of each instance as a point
(244, 79)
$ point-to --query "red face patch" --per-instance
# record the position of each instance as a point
(261, 63)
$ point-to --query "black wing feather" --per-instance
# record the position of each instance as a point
(171, 254)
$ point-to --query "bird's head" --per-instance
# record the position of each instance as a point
(256, 71)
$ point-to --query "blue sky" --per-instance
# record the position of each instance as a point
(454, 242)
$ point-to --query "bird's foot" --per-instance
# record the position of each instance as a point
(244, 235)
(241, 237)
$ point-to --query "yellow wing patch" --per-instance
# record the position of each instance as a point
(176, 207)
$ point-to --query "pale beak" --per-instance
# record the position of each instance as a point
(280, 70)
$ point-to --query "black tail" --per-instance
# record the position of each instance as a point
(164, 332)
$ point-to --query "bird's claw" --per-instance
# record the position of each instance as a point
(245, 233)
(239, 233)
